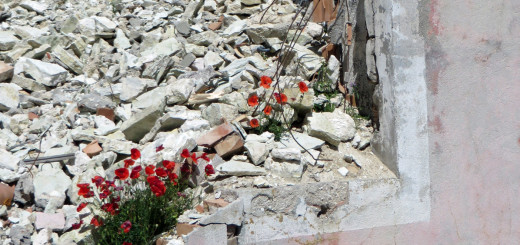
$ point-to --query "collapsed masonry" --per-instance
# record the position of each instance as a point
(83, 81)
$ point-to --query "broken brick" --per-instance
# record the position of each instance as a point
(6, 194)
(214, 203)
(92, 149)
(199, 209)
(230, 145)
(6, 71)
(32, 116)
(215, 135)
(106, 112)
(185, 228)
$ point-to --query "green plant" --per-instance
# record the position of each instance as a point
(323, 84)
(140, 203)
(325, 107)
(353, 112)
(149, 216)
(272, 125)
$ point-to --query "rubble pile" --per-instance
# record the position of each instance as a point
(83, 82)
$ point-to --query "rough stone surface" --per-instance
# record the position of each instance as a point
(6, 72)
(54, 222)
(232, 214)
(45, 190)
(210, 234)
(45, 73)
(333, 127)
(237, 168)
(256, 151)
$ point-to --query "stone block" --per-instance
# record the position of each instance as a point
(230, 145)
(210, 234)
(54, 222)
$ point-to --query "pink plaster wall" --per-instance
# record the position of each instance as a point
(473, 68)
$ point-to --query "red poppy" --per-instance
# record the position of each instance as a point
(161, 172)
(159, 148)
(254, 123)
(265, 81)
(110, 208)
(205, 157)
(185, 153)
(110, 183)
(122, 173)
(96, 221)
(135, 154)
(194, 158)
(268, 109)
(84, 190)
(136, 172)
(303, 87)
(173, 177)
(209, 169)
(129, 162)
(156, 185)
(83, 185)
(98, 180)
(89, 194)
(126, 226)
(280, 98)
(253, 100)
(127, 243)
(81, 206)
(116, 199)
(77, 225)
(149, 169)
(168, 164)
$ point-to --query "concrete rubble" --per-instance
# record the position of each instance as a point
(93, 79)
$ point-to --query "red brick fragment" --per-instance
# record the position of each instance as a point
(107, 112)
(92, 149)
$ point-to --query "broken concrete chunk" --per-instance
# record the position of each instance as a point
(213, 59)
(90, 102)
(121, 41)
(7, 40)
(333, 127)
(132, 87)
(9, 96)
(139, 124)
(232, 214)
(308, 142)
(286, 154)
(70, 60)
(237, 168)
(45, 191)
(343, 171)
(217, 112)
(45, 73)
(210, 234)
(285, 169)
(257, 151)
(179, 91)
(52, 221)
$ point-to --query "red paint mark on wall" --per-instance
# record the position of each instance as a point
(434, 17)
(437, 125)
(434, 81)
